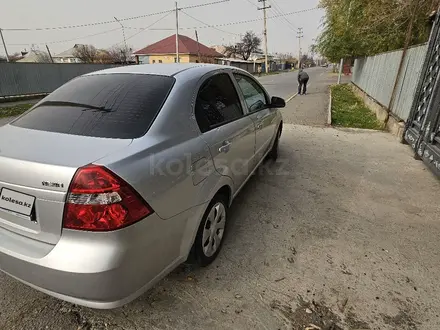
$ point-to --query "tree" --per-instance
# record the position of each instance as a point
(86, 53)
(230, 51)
(40, 56)
(354, 28)
(288, 58)
(43, 57)
(307, 60)
(120, 54)
(250, 43)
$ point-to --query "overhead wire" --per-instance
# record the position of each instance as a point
(277, 9)
(253, 4)
(233, 23)
(255, 19)
(214, 26)
(112, 21)
(208, 25)
(148, 27)
(68, 40)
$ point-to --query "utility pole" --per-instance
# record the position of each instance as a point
(4, 45)
(198, 47)
(177, 34)
(123, 34)
(300, 34)
(265, 31)
(50, 55)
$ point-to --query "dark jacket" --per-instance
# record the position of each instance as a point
(302, 76)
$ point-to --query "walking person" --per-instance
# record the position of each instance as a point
(303, 79)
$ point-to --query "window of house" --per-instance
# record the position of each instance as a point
(154, 61)
(160, 61)
(217, 103)
(254, 95)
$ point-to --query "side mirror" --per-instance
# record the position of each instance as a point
(277, 102)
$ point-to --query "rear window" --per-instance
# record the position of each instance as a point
(120, 106)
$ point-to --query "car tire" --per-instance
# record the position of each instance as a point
(273, 154)
(209, 240)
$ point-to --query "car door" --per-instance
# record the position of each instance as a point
(257, 103)
(229, 133)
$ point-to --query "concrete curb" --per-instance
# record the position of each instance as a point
(291, 98)
(329, 116)
(8, 99)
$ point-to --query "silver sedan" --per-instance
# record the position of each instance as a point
(119, 176)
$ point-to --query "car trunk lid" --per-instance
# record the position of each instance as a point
(36, 168)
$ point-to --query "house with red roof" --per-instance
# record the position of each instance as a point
(164, 51)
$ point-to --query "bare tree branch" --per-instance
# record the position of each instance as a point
(86, 53)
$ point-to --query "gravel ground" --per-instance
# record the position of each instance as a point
(333, 229)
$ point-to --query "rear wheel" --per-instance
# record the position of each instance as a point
(273, 153)
(211, 232)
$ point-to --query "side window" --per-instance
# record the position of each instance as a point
(253, 94)
(217, 103)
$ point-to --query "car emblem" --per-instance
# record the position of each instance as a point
(52, 184)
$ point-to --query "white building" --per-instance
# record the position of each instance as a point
(67, 56)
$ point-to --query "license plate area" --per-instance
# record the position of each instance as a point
(17, 202)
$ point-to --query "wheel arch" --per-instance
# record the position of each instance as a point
(224, 187)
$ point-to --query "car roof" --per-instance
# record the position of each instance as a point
(170, 70)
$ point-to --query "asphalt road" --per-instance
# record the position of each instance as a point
(330, 234)
(310, 109)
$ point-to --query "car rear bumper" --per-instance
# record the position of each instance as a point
(98, 270)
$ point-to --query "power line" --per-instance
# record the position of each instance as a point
(148, 27)
(250, 20)
(208, 25)
(278, 10)
(64, 41)
(112, 21)
(215, 26)
(233, 23)
(253, 4)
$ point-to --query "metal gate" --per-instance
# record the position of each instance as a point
(423, 125)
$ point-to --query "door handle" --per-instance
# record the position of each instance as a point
(259, 126)
(225, 147)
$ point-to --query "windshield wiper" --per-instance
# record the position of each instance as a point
(74, 104)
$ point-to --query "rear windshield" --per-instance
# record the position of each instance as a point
(120, 106)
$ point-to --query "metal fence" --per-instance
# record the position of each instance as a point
(376, 76)
(39, 78)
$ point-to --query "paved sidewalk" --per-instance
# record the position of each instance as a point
(312, 109)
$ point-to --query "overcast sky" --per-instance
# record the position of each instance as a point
(54, 13)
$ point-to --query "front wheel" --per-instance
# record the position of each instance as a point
(211, 232)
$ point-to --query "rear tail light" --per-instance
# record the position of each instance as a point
(99, 200)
